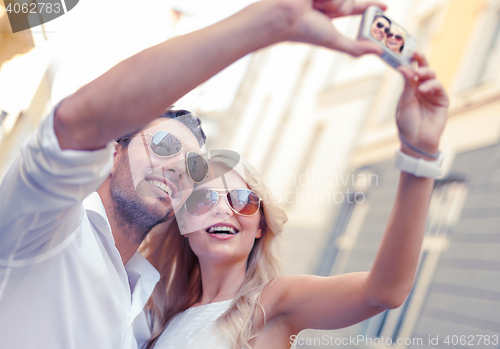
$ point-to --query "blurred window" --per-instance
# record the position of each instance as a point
(445, 208)
(3, 115)
(480, 64)
(313, 146)
(426, 29)
(490, 60)
(343, 237)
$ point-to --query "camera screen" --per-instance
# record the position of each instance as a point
(388, 33)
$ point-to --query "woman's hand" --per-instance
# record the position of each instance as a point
(312, 23)
(422, 109)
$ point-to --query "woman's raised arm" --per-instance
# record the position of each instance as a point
(338, 301)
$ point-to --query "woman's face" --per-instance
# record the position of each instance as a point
(395, 40)
(378, 28)
(222, 234)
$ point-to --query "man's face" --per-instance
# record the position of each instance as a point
(379, 26)
(147, 188)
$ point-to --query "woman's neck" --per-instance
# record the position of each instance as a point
(221, 280)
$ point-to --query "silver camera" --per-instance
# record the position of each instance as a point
(398, 46)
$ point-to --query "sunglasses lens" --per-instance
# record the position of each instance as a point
(197, 167)
(380, 25)
(398, 37)
(164, 144)
(201, 202)
(244, 201)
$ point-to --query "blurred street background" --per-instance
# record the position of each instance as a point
(320, 126)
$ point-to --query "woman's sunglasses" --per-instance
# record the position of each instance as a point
(397, 37)
(165, 144)
(242, 201)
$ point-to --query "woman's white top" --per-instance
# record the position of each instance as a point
(196, 328)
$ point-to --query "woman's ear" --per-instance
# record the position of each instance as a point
(258, 233)
(262, 226)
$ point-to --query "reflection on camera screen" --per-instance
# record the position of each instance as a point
(389, 34)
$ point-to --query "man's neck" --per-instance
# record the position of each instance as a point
(125, 235)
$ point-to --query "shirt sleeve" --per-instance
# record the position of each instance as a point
(41, 195)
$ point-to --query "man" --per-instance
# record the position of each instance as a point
(380, 27)
(70, 276)
(73, 278)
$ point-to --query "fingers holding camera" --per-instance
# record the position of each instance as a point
(334, 8)
(428, 85)
(360, 7)
(423, 106)
(413, 74)
(340, 8)
(422, 81)
(313, 25)
(420, 59)
(425, 73)
(355, 48)
(434, 93)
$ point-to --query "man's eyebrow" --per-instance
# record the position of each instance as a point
(184, 145)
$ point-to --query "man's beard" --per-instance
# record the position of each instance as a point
(131, 211)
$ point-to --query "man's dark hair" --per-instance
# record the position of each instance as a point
(387, 19)
(184, 117)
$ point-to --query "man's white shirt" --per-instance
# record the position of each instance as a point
(62, 281)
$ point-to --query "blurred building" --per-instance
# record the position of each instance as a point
(456, 296)
(24, 87)
(320, 126)
(42, 65)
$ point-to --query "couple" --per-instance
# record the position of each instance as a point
(388, 33)
(220, 286)
(70, 273)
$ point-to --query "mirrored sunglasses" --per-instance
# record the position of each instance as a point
(164, 144)
(242, 201)
(397, 37)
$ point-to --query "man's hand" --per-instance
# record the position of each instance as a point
(313, 24)
(422, 109)
(138, 89)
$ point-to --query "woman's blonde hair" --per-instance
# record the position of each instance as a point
(180, 283)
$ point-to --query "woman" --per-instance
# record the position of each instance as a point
(224, 269)
(395, 40)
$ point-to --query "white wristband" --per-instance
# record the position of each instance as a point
(417, 166)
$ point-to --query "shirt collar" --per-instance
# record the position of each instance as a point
(137, 267)
(97, 214)
(143, 278)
